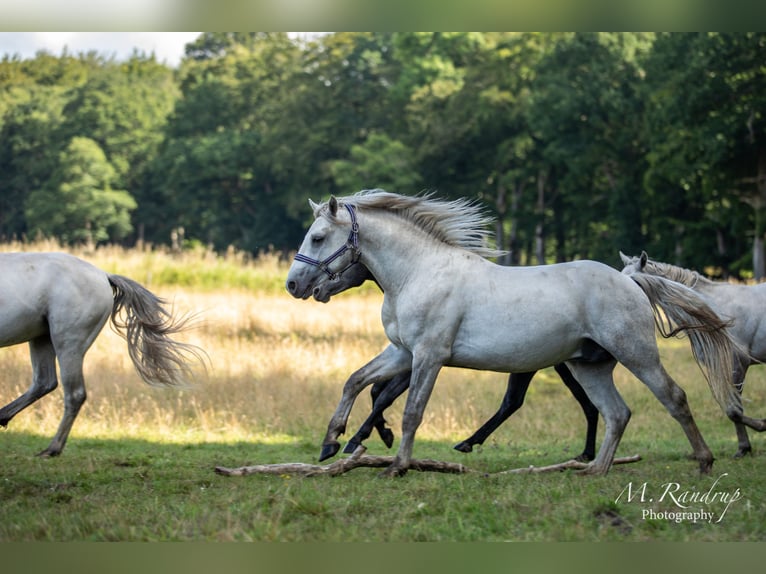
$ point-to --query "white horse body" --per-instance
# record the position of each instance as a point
(539, 328)
(445, 305)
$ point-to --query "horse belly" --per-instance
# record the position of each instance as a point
(509, 353)
(19, 324)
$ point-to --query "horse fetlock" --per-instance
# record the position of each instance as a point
(585, 457)
(351, 446)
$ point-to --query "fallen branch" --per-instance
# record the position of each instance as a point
(359, 459)
(356, 460)
(569, 464)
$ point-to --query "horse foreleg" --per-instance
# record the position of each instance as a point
(390, 363)
(518, 384)
(588, 408)
(384, 394)
(422, 382)
(43, 378)
(74, 396)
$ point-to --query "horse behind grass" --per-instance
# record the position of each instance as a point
(59, 304)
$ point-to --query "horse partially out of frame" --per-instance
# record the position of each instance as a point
(59, 303)
(743, 305)
(384, 393)
(445, 304)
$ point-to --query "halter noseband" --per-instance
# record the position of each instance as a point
(352, 244)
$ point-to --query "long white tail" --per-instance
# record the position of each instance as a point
(679, 309)
(147, 327)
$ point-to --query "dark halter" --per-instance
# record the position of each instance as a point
(352, 244)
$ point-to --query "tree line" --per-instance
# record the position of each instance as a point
(581, 144)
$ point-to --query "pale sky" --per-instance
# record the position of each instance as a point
(168, 47)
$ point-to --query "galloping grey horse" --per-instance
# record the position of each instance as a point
(59, 304)
(384, 393)
(445, 304)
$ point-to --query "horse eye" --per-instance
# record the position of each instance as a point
(316, 239)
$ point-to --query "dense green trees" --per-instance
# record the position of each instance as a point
(581, 144)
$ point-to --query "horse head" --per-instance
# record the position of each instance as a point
(634, 264)
(329, 250)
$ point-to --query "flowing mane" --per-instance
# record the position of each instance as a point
(678, 274)
(459, 223)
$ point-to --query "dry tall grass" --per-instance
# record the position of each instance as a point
(277, 366)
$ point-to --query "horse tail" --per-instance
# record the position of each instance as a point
(712, 346)
(147, 327)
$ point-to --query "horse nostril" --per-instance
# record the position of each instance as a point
(292, 286)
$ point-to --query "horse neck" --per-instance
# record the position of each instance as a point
(690, 279)
(393, 249)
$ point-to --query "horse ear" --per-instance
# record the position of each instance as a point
(625, 258)
(644, 259)
(333, 206)
(314, 207)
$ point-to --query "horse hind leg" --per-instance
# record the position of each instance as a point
(518, 383)
(73, 384)
(44, 380)
(597, 381)
(674, 400)
(588, 408)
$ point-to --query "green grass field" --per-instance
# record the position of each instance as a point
(139, 465)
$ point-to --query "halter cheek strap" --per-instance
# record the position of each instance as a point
(352, 244)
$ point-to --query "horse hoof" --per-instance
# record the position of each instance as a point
(706, 466)
(351, 447)
(743, 452)
(329, 451)
(592, 470)
(393, 472)
(585, 457)
(463, 447)
(47, 453)
(387, 436)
